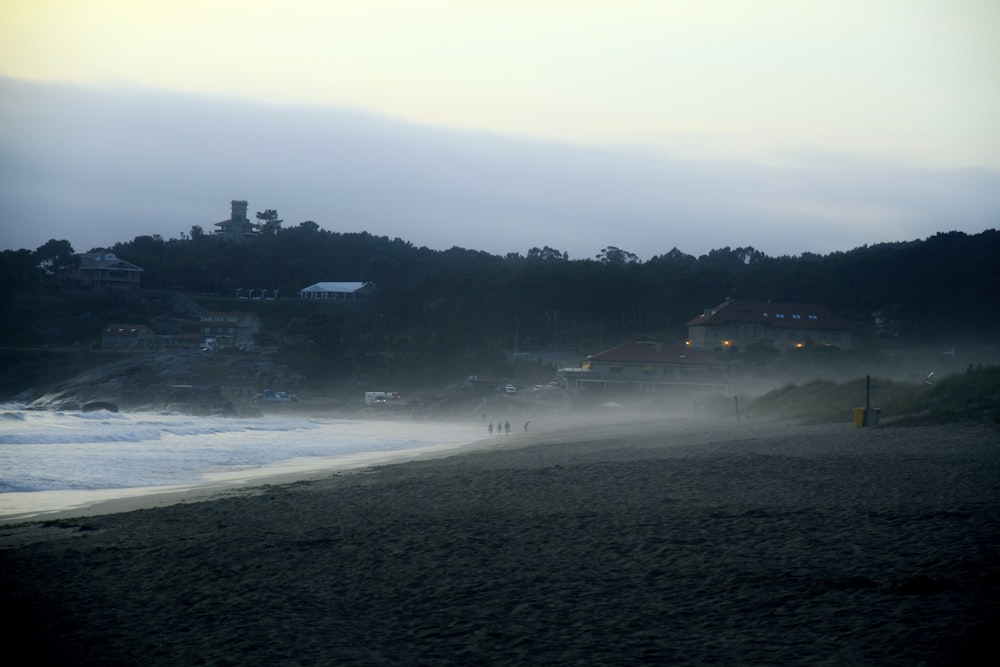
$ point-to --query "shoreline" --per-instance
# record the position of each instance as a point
(43, 506)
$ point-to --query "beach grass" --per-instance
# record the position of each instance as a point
(969, 396)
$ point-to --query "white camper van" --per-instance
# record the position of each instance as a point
(373, 397)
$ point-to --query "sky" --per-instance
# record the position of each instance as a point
(500, 126)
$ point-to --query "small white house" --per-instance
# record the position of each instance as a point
(337, 291)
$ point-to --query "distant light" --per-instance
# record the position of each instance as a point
(725, 343)
(800, 345)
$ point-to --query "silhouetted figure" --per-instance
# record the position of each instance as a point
(526, 426)
(506, 427)
(490, 428)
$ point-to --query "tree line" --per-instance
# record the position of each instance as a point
(431, 303)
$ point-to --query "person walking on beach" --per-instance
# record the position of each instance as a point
(526, 426)
(490, 428)
(506, 427)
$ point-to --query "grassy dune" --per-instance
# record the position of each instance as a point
(964, 397)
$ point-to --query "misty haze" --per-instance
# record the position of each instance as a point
(446, 333)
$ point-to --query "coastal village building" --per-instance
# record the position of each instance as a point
(128, 337)
(736, 324)
(337, 291)
(104, 270)
(182, 341)
(238, 227)
(648, 366)
(220, 330)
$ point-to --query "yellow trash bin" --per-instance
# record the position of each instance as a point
(859, 417)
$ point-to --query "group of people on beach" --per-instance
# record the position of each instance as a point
(500, 428)
(504, 427)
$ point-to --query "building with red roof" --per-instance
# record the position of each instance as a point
(737, 324)
(648, 366)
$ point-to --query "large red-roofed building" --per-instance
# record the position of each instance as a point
(737, 324)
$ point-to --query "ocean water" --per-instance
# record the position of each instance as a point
(44, 456)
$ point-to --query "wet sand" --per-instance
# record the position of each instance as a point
(648, 543)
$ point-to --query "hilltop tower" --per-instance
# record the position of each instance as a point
(238, 226)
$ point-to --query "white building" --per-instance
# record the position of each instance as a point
(328, 291)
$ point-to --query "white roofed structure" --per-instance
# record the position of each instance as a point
(331, 291)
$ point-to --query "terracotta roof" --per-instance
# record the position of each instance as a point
(226, 316)
(772, 313)
(655, 353)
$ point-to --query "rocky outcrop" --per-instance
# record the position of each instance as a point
(178, 381)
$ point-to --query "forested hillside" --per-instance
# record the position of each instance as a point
(436, 306)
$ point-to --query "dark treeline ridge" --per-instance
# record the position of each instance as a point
(432, 305)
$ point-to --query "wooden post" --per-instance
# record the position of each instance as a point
(868, 397)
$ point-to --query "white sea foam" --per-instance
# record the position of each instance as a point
(60, 451)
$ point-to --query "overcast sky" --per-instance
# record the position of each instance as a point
(790, 126)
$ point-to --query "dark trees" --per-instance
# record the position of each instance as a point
(462, 303)
(269, 222)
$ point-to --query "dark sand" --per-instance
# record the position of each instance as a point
(622, 544)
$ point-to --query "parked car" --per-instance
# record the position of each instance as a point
(510, 389)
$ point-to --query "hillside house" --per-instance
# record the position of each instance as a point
(648, 366)
(237, 330)
(182, 341)
(128, 337)
(332, 291)
(238, 227)
(104, 270)
(737, 324)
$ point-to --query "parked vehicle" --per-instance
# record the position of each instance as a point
(275, 396)
(375, 397)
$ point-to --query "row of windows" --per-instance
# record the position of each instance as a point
(795, 316)
(672, 371)
(752, 333)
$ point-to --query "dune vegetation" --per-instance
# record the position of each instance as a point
(972, 396)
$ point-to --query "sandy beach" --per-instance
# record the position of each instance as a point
(613, 544)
